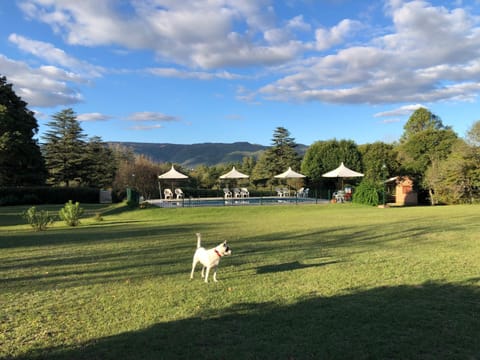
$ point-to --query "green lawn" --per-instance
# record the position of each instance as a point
(304, 282)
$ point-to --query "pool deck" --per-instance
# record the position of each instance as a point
(245, 201)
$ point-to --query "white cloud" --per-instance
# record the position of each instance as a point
(152, 116)
(198, 34)
(430, 55)
(53, 55)
(326, 38)
(403, 110)
(425, 54)
(146, 127)
(93, 117)
(42, 87)
(197, 75)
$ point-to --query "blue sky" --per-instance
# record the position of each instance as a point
(191, 71)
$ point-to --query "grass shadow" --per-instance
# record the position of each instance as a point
(431, 321)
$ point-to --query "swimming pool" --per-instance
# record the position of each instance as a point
(266, 200)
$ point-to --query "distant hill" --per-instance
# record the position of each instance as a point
(191, 156)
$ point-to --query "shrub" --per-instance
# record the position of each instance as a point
(71, 213)
(39, 220)
(367, 192)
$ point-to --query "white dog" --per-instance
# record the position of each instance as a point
(209, 258)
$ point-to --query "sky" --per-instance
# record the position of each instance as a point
(195, 71)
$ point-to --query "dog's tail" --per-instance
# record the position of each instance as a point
(199, 240)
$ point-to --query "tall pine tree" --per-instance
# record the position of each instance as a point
(100, 166)
(64, 149)
(21, 161)
(276, 159)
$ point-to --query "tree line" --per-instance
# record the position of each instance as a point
(445, 167)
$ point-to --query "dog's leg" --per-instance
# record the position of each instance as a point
(215, 274)
(206, 274)
(203, 272)
(193, 267)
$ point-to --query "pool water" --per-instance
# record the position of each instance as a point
(268, 200)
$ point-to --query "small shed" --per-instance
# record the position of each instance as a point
(403, 190)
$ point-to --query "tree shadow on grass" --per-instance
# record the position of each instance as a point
(429, 321)
(289, 266)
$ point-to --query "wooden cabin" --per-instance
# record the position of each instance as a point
(402, 187)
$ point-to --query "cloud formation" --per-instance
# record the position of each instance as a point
(91, 117)
(46, 86)
(431, 55)
(152, 116)
(424, 53)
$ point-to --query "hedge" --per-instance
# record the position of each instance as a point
(10, 195)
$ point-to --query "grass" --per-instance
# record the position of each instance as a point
(304, 282)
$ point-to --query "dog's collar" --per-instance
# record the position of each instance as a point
(216, 252)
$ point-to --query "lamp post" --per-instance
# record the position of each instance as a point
(384, 168)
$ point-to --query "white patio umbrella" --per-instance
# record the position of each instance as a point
(289, 174)
(342, 172)
(171, 174)
(234, 174)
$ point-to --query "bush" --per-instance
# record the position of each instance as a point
(71, 213)
(39, 220)
(367, 193)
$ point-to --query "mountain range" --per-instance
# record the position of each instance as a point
(193, 155)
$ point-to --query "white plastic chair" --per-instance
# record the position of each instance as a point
(167, 194)
(236, 192)
(179, 193)
(227, 193)
(244, 192)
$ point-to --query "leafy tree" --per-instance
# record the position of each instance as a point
(21, 161)
(278, 157)
(473, 135)
(421, 119)
(424, 143)
(140, 174)
(379, 160)
(65, 148)
(323, 156)
(456, 179)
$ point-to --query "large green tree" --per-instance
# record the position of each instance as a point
(424, 143)
(473, 134)
(379, 160)
(456, 179)
(100, 165)
(64, 149)
(276, 159)
(21, 161)
(323, 156)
